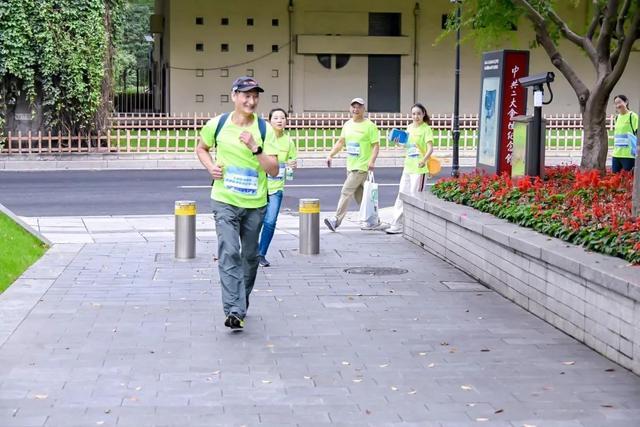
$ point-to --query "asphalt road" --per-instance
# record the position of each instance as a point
(148, 192)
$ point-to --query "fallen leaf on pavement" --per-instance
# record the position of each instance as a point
(569, 363)
(412, 392)
(384, 365)
(482, 419)
(394, 388)
(499, 411)
(266, 381)
(431, 365)
(466, 387)
(357, 380)
(40, 396)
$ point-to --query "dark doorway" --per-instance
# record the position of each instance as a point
(384, 70)
(384, 83)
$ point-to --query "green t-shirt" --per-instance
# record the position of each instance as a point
(416, 147)
(244, 182)
(287, 150)
(625, 123)
(359, 139)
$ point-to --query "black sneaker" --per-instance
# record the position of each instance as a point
(263, 261)
(234, 322)
(330, 223)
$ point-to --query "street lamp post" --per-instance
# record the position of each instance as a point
(455, 167)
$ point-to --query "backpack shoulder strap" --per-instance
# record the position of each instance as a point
(631, 122)
(262, 127)
(221, 122)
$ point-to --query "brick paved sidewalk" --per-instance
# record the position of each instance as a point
(119, 333)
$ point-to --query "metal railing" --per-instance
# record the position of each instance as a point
(313, 132)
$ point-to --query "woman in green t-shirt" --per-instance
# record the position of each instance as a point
(624, 136)
(418, 147)
(287, 155)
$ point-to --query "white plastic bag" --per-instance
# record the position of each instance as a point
(369, 207)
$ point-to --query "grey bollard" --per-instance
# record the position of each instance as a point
(309, 212)
(185, 229)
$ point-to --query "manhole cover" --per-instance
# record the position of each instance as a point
(376, 271)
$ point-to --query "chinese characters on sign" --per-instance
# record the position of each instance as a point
(513, 103)
(501, 99)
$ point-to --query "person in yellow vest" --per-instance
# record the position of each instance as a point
(362, 140)
(287, 155)
(625, 136)
(418, 148)
(245, 152)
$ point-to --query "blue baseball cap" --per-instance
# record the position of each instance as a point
(245, 84)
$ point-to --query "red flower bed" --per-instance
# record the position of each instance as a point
(579, 207)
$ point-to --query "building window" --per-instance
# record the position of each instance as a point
(199, 73)
(224, 99)
(274, 99)
(249, 22)
(385, 24)
(249, 72)
(274, 48)
(199, 47)
(275, 73)
(342, 60)
(444, 21)
(224, 72)
(224, 47)
(199, 98)
(199, 20)
(224, 21)
(324, 60)
(275, 22)
(249, 48)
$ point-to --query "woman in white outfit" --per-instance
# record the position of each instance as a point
(418, 147)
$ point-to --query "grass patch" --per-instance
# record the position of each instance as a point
(19, 249)
(320, 139)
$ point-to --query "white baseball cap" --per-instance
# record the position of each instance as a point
(357, 101)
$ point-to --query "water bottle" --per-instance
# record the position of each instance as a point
(288, 174)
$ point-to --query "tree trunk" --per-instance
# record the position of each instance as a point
(595, 137)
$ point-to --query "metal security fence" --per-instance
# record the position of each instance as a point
(313, 132)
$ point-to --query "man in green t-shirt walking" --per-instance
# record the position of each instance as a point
(244, 155)
(362, 138)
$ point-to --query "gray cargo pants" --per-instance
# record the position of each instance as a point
(238, 230)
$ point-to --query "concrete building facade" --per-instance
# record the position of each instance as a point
(314, 56)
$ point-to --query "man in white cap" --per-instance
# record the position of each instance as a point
(362, 140)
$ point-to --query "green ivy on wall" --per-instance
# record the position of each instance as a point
(57, 53)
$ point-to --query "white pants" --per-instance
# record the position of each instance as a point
(411, 183)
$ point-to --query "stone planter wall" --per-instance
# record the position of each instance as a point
(592, 297)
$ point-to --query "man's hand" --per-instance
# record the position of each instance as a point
(293, 164)
(216, 172)
(372, 166)
(247, 139)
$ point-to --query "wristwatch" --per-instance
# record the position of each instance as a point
(258, 151)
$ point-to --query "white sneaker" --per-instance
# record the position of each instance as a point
(394, 229)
